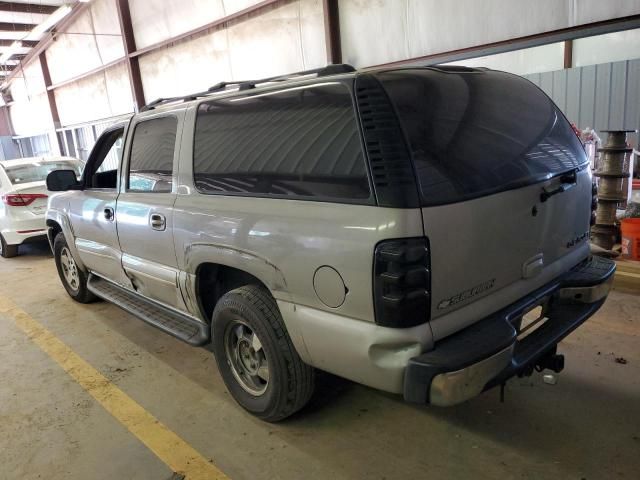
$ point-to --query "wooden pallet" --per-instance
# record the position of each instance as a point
(627, 275)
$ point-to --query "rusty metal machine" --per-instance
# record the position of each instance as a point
(612, 171)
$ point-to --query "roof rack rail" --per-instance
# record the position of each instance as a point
(332, 69)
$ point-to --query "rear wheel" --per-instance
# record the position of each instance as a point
(255, 356)
(7, 251)
(73, 278)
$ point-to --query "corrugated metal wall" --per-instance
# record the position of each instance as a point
(604, 96)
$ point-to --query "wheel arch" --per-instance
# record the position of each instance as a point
(57, 222)
(208, 259)
(212, 280)
(53, 229)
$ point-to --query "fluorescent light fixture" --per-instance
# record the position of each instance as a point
(37, 32)
(49, 22)
(9, 52)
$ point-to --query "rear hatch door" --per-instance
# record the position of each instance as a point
(487, 147)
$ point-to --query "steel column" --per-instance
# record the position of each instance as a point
(51, 96)
(332, 31)
(568, 53)
(124, 15)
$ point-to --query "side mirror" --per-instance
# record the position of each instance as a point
(62, 180)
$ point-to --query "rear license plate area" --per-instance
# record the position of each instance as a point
(532, 320)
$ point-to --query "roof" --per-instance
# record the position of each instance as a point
(331, 72)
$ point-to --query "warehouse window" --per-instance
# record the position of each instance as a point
(151, 161)
(297, 143)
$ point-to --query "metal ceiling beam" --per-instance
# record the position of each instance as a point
(129, 41)
(332, 31)
(42, 45)
(536, 40)
(9, 68)
(16, 27)
(27, 8)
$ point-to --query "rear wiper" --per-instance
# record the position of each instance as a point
(568, 180)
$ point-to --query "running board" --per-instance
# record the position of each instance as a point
(181, 326)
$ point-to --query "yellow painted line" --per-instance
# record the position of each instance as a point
(177, 454)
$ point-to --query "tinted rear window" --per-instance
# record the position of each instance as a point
(297, 143)
(38, 171)
(476, 133)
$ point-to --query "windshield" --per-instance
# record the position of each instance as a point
(477, 133)
(38, 171)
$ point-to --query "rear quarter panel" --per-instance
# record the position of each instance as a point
(283, 242)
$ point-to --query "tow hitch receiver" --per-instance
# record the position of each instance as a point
(552, 361)
(549, 361)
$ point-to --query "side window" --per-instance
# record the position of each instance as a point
(102, 167)
(293, 143)
(112, 158)
(151, 161)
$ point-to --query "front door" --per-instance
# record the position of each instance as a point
(93, 210)
(145, 209)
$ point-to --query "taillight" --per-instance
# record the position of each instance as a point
(402, 282)
(21, 199)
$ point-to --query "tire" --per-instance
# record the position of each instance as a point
(66, 265)
(7, 251)
(239, 316)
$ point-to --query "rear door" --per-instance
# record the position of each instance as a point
(486, 146)
(145, 207)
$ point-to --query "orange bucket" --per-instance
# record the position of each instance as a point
(631, 238)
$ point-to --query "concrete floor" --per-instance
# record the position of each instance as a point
(587, 426)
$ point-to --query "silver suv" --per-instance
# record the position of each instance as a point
(423, 231)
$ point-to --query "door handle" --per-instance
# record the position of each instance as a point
(158, 221)
(109, 214)
(568, 180)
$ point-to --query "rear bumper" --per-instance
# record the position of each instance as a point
(488, 352)
(21, 230)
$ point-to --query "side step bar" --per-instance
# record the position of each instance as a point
(186, 328)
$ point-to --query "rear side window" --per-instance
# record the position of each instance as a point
(297, 143)
(151, 161)
(476, 133)
(37, 171)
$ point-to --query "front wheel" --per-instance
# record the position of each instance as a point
(73, 278)
(255, 356)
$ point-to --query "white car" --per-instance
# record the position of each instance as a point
(24, 199)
